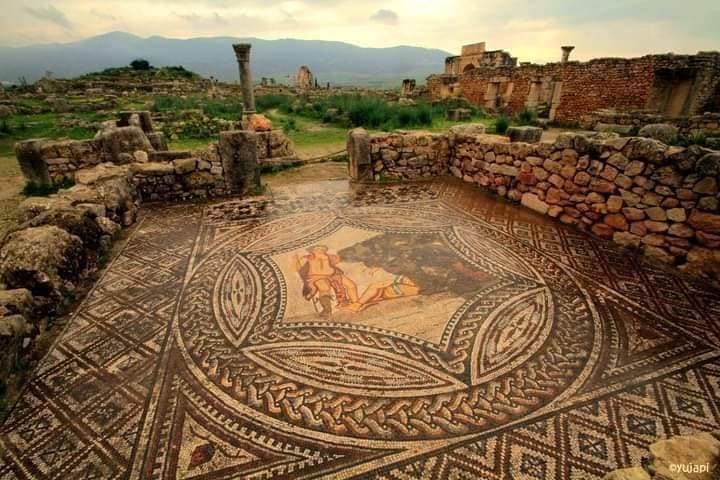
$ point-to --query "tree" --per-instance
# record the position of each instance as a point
(140, 64)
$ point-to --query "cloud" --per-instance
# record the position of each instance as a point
(103, 16)
(385, 16)
(203, 21)
(50, 14)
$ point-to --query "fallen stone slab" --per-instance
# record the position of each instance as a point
(524, 134)
(151, 169)
(104, 171)
(468, 129)
(169, 156)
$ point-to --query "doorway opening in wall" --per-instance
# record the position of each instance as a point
(672, 91)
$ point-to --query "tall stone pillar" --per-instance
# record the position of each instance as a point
(566, 53)
(242, 53)
(358, 149)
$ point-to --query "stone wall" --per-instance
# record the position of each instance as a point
(62, 237)
(198, 176)
(639, 192)
(707, 123)
(48, 162)
(230, 166)
(409, 155)
(573, 89)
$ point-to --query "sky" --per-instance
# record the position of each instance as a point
(530, 30)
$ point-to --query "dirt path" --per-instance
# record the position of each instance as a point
(11, 182)
(307, 173)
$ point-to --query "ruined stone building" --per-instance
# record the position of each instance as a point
(304, 78)
(673, 85)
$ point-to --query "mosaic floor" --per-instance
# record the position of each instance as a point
(390, 332)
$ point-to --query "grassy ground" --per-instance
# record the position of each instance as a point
(46, 125)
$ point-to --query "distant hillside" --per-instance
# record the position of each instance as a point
(335, 62)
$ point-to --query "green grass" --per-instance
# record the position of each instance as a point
(227, 109)
(190, 143)
(46, 125)
(318, 137)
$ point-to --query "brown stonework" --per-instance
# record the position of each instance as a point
(672, 85)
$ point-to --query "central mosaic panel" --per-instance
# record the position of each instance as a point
(384, 322)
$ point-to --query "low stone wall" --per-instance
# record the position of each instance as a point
(62, 236)
(708, 123)
(636, 191)
(48, 162)
(200, 176)
(409, 155)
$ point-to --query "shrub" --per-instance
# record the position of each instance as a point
(289, 125)
(5, 128)
(694, 138)
(227, 109)
(140, 64)
(502, 122)
(273, 100)
(527, 116)
(32, 189)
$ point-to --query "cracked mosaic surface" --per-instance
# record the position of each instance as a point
(404, 331)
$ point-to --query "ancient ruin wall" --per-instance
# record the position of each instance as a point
(636, 191)
(582, 87)
(409, 155)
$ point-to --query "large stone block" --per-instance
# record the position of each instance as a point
(524, 134)
(468, 129)
(123, 140)
(74, 220)
(359, 161)
(698, 449)
(239, 155)
(532, 201)
(29, 156)
(707, 222)
(16, 302)
(662, 132)
(42, 260)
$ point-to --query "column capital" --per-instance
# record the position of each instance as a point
(242, 51)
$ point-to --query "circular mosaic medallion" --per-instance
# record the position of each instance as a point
(388, 322)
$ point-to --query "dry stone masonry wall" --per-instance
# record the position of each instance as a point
(636, 191)
(61, 237)
(409, 155)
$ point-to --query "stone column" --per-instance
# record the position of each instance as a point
(566, 53)
(242, 53)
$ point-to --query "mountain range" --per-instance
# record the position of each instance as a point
(335, 62)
